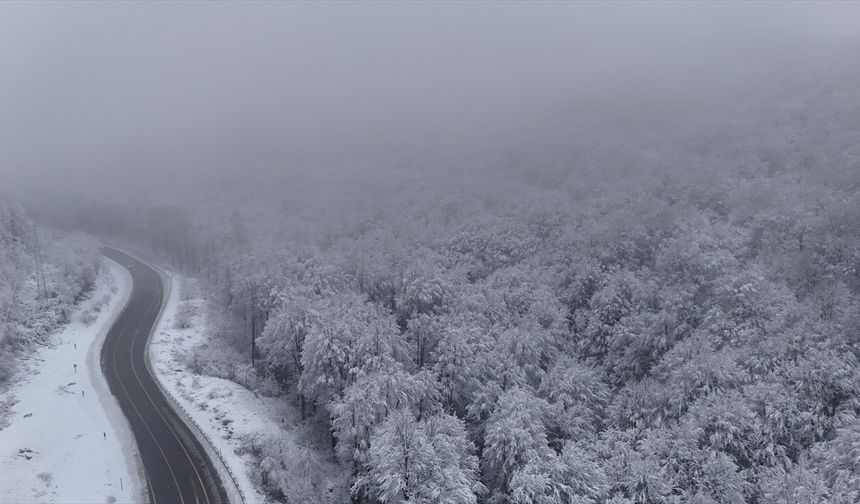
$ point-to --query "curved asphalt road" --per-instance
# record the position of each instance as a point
(176, 466)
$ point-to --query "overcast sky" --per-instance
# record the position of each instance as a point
(119, 95)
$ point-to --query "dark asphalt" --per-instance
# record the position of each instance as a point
(176, 466)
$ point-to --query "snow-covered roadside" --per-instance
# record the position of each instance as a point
(234, 419)
(225, 411)
(68, 440)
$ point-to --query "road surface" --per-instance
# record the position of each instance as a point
(177, 468)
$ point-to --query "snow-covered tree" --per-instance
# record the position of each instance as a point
(515, 437)
(421, 462)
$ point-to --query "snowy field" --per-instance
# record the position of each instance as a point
(224, 410)
(67, 440)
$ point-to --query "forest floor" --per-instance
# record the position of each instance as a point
(65, 439)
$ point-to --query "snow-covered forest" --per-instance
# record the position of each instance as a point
(652, 310)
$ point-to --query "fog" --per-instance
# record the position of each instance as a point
(134, 98)
(468, 253)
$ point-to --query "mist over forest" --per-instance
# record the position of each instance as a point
(530, 253)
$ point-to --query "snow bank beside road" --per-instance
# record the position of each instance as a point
(68, 440)
(244, 427)
(213, 403)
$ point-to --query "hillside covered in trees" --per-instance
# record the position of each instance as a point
(659, 306)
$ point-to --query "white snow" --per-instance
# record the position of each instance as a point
(68, 440)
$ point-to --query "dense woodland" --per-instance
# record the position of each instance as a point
(661, 306)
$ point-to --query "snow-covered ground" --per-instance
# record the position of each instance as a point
(67, 439)
(236, 420)
(224, 410)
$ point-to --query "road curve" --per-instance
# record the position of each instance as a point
(177, 469)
